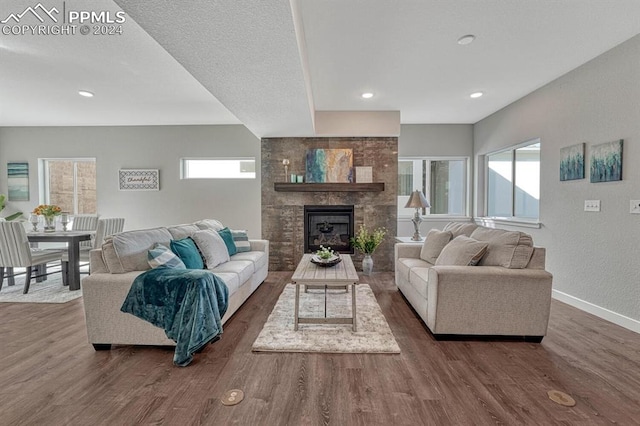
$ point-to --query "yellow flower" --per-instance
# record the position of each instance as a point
(47, 210)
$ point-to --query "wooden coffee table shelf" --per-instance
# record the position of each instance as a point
(341, 275)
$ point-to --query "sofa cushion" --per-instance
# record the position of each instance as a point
(232, 280)
(216, 225)
(259, 258)
(188, 252)
(462, 251)
(405, 264)
(225, 233)
(127, 251)
(179, 232)
(418, 278)
(243, 268)
(162, 257)
(510, 249)
(241, 239)
(433, 244)
(212, 246)
(460, 228)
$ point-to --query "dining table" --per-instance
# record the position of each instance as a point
(73, 240)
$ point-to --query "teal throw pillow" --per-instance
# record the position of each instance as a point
(225, 233)
(162, 257)
(241, 240)
(188, 252)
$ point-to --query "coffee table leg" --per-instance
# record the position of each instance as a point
(353, 306)
(295, 320)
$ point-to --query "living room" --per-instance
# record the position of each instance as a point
(592, 255)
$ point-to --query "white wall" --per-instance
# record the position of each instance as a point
(438, 140)
(234, 202)
(594, 257)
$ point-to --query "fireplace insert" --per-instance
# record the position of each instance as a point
(328, 226)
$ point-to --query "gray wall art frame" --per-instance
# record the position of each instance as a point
(18, 181)
(139, 179)
(606, 162)
(572, 162)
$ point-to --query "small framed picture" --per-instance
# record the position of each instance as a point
(139, 179)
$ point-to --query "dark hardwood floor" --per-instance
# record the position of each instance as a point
(50, 375)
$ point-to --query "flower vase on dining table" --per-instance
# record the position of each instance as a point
(49, 224)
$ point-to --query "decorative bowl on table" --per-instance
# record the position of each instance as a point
(332, 261)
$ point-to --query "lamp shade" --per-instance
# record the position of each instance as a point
(417, 201)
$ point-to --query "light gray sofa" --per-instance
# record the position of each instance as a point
(124, 256)
(507, 294)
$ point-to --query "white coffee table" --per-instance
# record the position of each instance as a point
(341, 275)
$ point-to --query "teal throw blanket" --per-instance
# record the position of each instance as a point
(187, 303)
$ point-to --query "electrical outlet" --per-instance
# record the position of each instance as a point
(634, 207)
(591, 205)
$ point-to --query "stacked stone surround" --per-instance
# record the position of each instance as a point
(283, 212)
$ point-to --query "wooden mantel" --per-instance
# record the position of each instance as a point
(328, 187)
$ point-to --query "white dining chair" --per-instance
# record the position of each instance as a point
(105, 228)
(16, 252)
(85, 222)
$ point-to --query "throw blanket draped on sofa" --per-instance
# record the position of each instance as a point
(188, 304)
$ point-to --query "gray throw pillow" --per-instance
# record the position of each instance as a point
(462, 251)
(212, 246)
(434, 243)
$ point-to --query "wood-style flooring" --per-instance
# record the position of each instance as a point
(50, 375)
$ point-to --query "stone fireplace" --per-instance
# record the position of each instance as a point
(283, 203)
(328, 226)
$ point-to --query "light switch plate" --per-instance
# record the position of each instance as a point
(634, 207)
(591, 205)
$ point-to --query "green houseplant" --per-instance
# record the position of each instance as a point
(367, 242)
(13, 216)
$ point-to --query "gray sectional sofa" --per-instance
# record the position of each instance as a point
(124, 256)
(506, 293)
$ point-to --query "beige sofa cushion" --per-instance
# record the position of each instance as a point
(460, 228)
(127, 251)
(178, 232)
(510, 249)
(433, 244)
(462, 251)
(212, 247)
(216, 225)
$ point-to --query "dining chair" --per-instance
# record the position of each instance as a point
(15, 251)
(85, 222)
(105, 228)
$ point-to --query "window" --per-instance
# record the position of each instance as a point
(218, 168)
(513, 182)
(71, 184)
(443, 182)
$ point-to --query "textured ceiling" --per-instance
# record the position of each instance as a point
(271, 65)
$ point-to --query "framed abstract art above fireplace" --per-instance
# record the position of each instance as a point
(329, 165)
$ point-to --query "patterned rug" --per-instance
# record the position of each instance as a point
(49, 291)
(373, 335)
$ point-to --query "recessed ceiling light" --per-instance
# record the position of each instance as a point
(367, 95)
(466, 39)
(85, 93)
(476, 95)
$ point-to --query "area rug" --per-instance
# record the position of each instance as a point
(49, 291)
(373, 335)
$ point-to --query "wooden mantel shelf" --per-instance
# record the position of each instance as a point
(329, 187)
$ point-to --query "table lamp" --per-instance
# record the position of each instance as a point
(417, 201)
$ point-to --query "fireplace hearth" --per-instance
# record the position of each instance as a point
(329, 226)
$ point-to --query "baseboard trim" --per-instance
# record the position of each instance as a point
(606, 314)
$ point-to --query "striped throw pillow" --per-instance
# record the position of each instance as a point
(162, 257)
(241, 239)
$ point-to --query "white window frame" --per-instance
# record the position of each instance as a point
(183, 167)
(467, 187)
(44, 184)
(508, 220)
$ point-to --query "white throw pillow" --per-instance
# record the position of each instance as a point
(462, 251)
(212, 247)
(433, 245)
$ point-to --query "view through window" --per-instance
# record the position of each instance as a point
(218, 168)
(71, 184)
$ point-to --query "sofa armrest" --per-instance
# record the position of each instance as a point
(407, 250)
(488, 300)
(260, 245)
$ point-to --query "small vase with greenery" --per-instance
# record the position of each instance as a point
(367, 242)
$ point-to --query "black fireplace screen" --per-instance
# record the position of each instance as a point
(329, 226)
